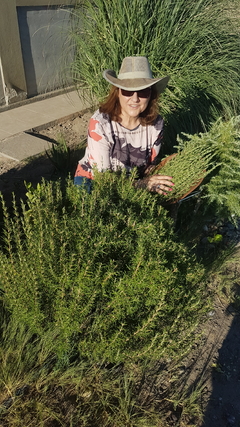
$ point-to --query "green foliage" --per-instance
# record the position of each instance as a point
(213, 156)
(59, 155)
(203, 61)
(103, 270)
(193, 162)
(34, 392)
(222, 192)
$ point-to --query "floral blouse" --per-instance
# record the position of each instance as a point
(112, 146)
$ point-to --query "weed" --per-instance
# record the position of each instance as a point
(59, 155)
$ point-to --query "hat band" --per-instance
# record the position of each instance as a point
(134, 75)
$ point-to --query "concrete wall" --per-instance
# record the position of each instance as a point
(46, 47)
(31, 46)
(10, 50)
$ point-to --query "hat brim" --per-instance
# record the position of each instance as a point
(135, 84)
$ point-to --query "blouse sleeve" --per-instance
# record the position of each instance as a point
(97, 152)
(98, 146)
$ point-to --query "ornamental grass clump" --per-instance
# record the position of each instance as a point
(34, 391)
(103, 270)
(195, 43)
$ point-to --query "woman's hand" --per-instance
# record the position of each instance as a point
(160, 184)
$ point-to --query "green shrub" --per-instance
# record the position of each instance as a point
(103, 270)
(203, 60)
(214, 158)
(222, 191)
(33, 391)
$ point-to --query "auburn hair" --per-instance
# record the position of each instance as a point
(112, 107)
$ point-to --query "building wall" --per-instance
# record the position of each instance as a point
(46, 47)
(33, 35)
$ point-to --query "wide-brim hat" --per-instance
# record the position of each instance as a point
(135, 74)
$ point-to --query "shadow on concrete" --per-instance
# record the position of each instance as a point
(33, 170)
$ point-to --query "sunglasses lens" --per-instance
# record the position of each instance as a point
(144, 93)
(127, 93)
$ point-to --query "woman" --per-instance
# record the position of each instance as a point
(126, 131)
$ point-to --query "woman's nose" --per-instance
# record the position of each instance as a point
(135, 97)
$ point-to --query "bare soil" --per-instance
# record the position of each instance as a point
(214, 364)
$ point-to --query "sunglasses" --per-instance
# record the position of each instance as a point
(144, 93)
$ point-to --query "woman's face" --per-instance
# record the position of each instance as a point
(133, 103)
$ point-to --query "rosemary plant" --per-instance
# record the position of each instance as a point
(211, 159)
(222, 190)
(104, 270)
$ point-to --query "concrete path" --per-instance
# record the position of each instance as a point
(17, 145)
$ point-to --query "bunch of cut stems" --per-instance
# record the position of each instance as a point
(191, 164)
